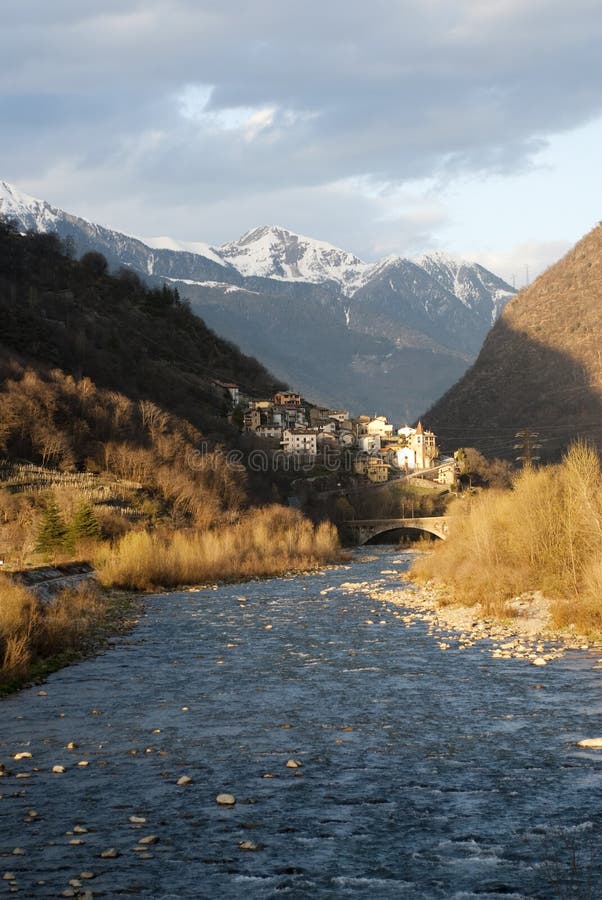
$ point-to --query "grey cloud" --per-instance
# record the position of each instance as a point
(391, 91)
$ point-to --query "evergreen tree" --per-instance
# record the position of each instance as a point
(84, 526)
(52, 533)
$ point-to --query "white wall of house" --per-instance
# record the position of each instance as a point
(269, 431)
(300, 442)
(368, 443)
(405, 457)
(379, 426)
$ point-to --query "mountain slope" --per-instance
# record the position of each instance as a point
(123, 335)
(540, 367)
(120, 249)
(391, 336)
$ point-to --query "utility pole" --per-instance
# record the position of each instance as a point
(528, 443)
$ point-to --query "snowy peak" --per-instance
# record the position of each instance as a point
(476, 287)
(30, 213)
(271, 252)
(274, 252)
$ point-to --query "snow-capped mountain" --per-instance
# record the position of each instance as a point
(470, 282)
(390, 336)
(158, 257)
(32, 214)
(273, 252)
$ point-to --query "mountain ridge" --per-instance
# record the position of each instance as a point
(398, 336)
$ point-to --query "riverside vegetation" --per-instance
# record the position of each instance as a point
(545, 533)
(37, 636)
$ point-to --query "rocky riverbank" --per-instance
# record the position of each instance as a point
(526, 634)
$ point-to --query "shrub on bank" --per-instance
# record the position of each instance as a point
(261, 543)
(545, 533)
(32, 632)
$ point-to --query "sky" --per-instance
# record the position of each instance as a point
(390, 127)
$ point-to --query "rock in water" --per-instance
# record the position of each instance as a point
(591, 743)
(225, 799)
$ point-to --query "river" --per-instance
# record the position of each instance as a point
(424, 774)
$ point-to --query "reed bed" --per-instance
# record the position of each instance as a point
(263, 542)
(32, 632)
(545, 533)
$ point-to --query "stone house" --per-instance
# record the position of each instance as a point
(251, 420)
(228, 390)
(373, 468)
(286, 398)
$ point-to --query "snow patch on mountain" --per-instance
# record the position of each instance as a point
(167, 243)
(223, 286)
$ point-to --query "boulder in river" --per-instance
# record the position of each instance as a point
(591, 743)
(225, 799)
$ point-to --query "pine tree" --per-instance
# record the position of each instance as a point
(84, 526)
(52, 533)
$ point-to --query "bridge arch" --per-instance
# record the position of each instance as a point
(399, 535)
(365, 530)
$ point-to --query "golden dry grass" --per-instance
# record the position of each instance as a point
(19, 616)
(543, 534)
(31, 631)
(263, 542)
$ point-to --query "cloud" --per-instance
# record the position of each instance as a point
(521, 263)
(202, 111)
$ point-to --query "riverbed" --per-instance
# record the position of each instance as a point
(419, 773)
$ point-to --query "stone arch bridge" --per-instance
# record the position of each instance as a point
(366, 529)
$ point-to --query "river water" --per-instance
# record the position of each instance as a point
(425, 774)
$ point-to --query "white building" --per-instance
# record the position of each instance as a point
(304, 442)
(420, 451)
(368, 443)
(268, 431)
(379, 426)
(405, 458)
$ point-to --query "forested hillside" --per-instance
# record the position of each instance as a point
(103, 374)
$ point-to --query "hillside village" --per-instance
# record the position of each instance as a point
(377, 450)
